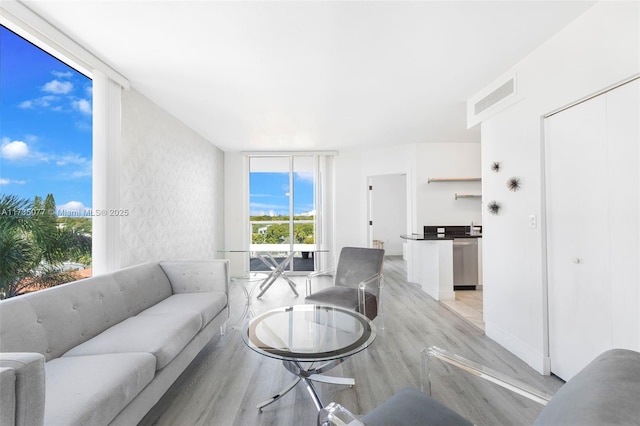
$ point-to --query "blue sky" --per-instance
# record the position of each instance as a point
(45, 126)
(270, 193)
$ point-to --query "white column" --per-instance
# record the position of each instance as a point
(325, 212)
(106, 173)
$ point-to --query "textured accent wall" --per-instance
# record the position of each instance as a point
(171, 183)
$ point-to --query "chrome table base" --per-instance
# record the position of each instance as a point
(308, 376)
(277, 271)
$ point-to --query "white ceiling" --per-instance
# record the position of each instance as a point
(312, 75)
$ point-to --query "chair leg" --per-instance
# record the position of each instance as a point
(381, 321)
(380, 309)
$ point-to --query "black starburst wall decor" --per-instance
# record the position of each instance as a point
(514, 184)
(494, 207)
(495, 166)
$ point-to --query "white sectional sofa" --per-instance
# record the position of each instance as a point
(102, 351)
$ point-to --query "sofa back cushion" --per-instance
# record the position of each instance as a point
(142, 287)
(54, 320)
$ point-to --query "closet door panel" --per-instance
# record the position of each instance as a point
(577, 237)
(623, 139)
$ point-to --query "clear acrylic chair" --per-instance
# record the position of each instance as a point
(410, 406)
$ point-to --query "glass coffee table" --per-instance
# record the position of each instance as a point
(309, 334)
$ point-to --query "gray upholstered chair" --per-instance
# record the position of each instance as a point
(605, 392)
(357, 283)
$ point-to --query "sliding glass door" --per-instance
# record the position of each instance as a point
(282, 208)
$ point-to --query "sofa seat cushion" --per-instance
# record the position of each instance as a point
(99, 387)
(207, 305)
(162, 335)
(605, 392)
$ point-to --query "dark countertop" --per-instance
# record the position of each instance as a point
(444, 232)
(435, 237)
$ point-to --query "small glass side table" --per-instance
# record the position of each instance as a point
(248, 283)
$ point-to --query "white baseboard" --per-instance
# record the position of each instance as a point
(534, 358)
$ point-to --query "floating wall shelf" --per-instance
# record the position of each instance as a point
(429, 180)
(467, 196)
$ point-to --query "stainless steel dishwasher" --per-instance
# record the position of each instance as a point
(465, 263)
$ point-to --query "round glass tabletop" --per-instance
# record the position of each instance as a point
(309, 333)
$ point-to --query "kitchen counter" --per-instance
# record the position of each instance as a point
(430, 261)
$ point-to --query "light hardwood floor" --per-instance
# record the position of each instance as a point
(468, 304)
(226, 380)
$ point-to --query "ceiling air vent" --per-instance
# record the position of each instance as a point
(491, 100)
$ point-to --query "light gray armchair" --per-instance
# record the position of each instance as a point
(358, 283)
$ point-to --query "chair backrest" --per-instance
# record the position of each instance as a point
(356, 264)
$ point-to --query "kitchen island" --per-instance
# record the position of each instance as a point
(430, 258)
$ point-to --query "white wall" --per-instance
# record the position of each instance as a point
(172, 184)
(436, 203)
(597, 50)
(427, 203)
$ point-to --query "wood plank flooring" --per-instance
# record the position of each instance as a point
(469, 305)
(226, 380)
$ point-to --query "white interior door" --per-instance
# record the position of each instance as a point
(623, 129)
(592, 229)
(577, 226)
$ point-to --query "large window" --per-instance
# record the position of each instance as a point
(283, 208)
(45, 169)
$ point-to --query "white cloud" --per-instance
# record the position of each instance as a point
(70, 159)
(62, 74)
(4, 181)
(76, 165)
(72, 206)
(58, 87)
(15, 150)
(82, 105)
(84, 165)
(43, 102)
(305, 176)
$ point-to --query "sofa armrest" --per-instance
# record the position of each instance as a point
(29, 386)
(197, 276)
(605, 392)
(7, 396)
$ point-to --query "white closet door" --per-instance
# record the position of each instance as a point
(592, 161)
(577, 237)
(623, 136)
